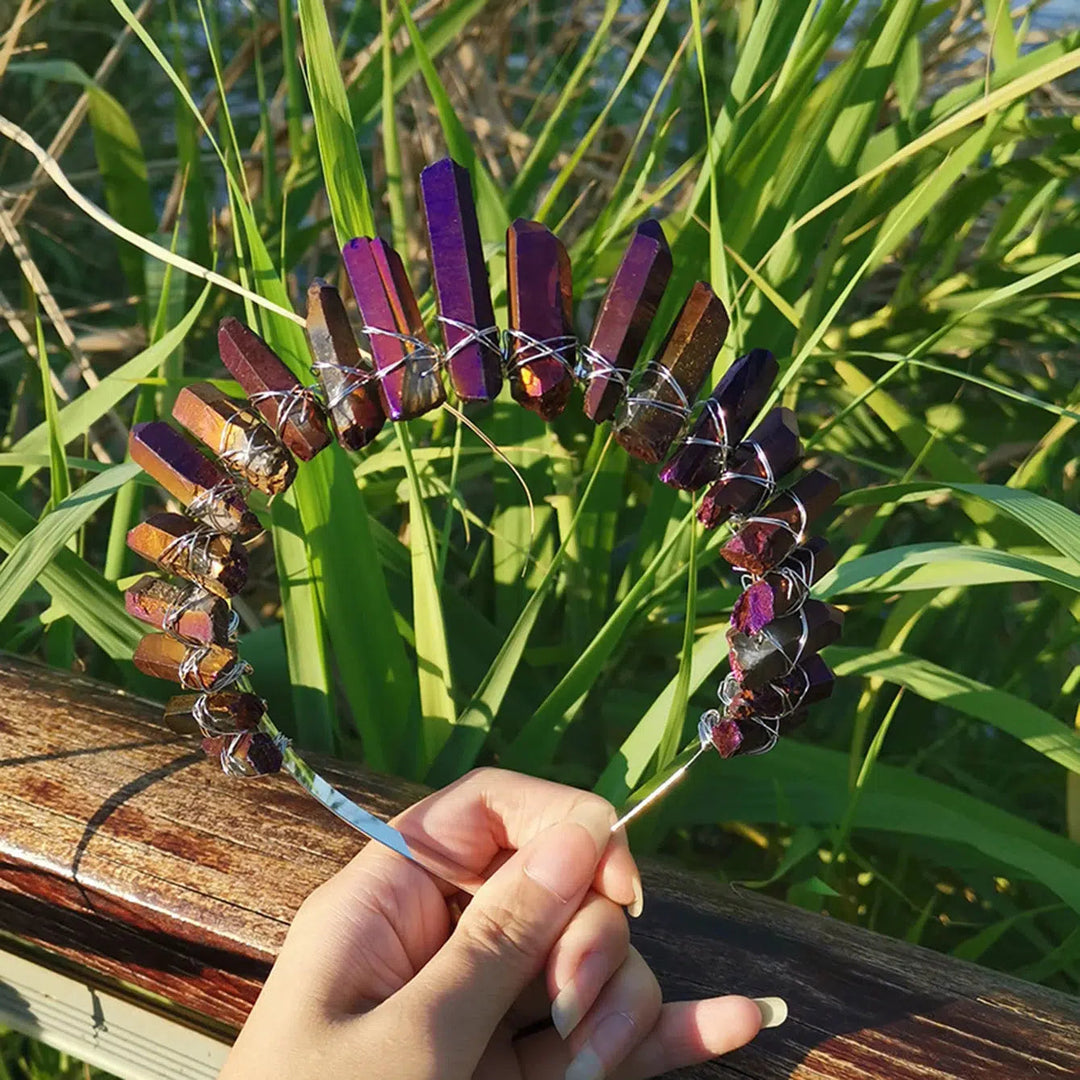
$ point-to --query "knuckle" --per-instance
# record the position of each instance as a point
(496, 932)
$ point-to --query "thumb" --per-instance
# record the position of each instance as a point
(505, 934)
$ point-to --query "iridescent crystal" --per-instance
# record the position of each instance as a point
(808, 682)
(186, 610)
(183, 547)
(773, 652)
(218, 713)
(251, 753)
(289, 408)
(460, 276)
(654, 412)
(408, 373)
(242, 440)
(347, 379)
(210, 495)
(197, 667)
(623, 321)
(753, 467)
(541, 350)
(725, 418)
(766, 540)
(783, 589)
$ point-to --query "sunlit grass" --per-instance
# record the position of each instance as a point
(886, 197)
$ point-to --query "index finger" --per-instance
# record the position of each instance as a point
(488, 812)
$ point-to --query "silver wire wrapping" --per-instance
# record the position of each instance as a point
(256, 445)
(193, 547)
(798, 535)
(487, 338)
(357, 377)
(419, 351)
(767, 483)
(203, 505)
(681, 408)
(192, 679)
(520, 349)
(180, 605)
(719, 421)
(592, 365)
(299, 399)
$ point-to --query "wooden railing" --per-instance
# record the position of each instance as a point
(143, 897)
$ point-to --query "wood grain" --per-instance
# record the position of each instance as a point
(127, 858)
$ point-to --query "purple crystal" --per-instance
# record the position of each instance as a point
(808, 682)
(782, 590)
(409, 383)
(729, 410)
(285, 405)
(650, 418)
(772, 450)
(195, 480)
(764, 542)
(773, 652)
(625, 315)
(542, 346)
(353, 404)
(461, 282)
(723, 733)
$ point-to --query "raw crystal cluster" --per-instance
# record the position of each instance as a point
(650, 398)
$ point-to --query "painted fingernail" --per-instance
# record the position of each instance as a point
(773, 1010)
(575, 999)
(637, 905)
(608, 1042)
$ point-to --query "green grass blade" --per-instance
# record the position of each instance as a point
(36, 549)
(490, 208)
(59, 479)
(77, 588)
(914, 567)
(343, 171)
(1056, 524)
(800, 784)
(1034, 727)
(76, 418)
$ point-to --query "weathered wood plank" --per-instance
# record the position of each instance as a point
(131, 861)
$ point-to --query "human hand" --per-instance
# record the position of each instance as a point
(375, 980)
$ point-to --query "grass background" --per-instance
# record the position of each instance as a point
(885, 195)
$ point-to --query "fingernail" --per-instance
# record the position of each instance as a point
(608, 1042)
(773, 1011)
(597, 817)
(576, 997)
(637, 905)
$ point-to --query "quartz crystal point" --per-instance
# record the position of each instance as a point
(773, 652)
(210, 495)
(764, 542)
(782, 590)
(625, 316)
(197, 667)
(808, 682)
(185, 610)
(461, 282)
(540, 360)
(654, 413)
(347, 379)
(408, 373)
(243, 441)
(183, 547)
(730, 737)
(726, 417)
(772, 450)
(217, 713)
(252, 753)
(289, 408)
